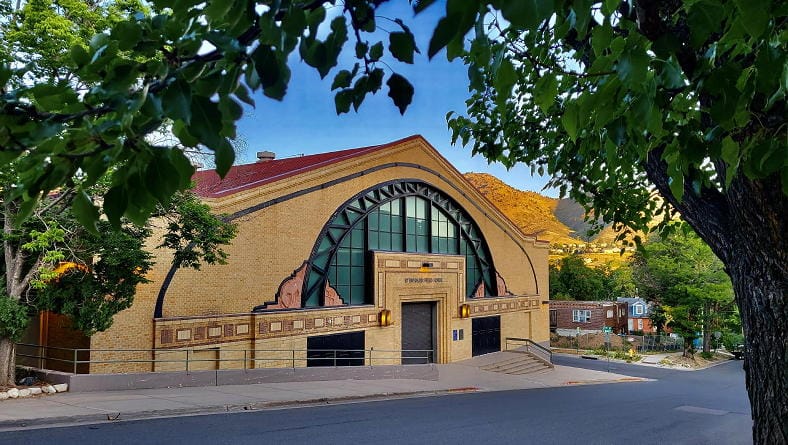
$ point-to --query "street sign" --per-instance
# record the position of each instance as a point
(607, 329)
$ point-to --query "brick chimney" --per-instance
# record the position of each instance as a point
(263, 156)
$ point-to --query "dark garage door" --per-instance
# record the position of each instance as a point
(418, 333)
(486, 335)
(335, 350)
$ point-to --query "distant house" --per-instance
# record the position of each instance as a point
(566, 317)
(639, 315)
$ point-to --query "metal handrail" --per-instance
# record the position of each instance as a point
(370, 356)
(542, 353)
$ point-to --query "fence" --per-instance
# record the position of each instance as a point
(639, 343)
(81, 361)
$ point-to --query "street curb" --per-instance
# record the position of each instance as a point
(109, 417)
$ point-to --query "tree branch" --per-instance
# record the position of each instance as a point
(707, 213)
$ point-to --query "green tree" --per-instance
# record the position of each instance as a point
(84, 269)
(613, 99)
(681, 275)
(576, 280)
(573, 279)
(641, 109)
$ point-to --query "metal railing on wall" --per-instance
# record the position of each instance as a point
(73, 359)
(527, 345)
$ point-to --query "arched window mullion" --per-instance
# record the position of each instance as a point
(371, 201)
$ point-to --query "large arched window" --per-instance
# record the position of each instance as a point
(402, 216)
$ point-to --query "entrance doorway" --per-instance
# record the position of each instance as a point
(486, 335)
(418, 333)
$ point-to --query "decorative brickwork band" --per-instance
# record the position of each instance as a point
(289, 294)
(331, 297)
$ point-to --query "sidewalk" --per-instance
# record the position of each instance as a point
(107, 406)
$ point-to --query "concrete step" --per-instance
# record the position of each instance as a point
(504, 367)
(525, 364)
(535, 367)
(518, 368)
(503, 363)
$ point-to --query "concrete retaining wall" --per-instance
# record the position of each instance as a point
(149, 380)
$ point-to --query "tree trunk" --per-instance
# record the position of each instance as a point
(7, 362)
(764, 315)
(757, 262)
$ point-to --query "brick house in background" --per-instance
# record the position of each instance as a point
(589, 316)
(639, 315)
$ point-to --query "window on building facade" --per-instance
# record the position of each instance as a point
(396, 217)
(581, 315)
(640, 324)
(610, 313)
(638, 309)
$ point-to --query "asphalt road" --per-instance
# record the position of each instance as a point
(679, 407)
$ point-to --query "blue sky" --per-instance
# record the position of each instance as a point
(305, 122)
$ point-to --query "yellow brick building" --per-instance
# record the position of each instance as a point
(385, 253)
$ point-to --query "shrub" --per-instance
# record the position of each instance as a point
(13, 318)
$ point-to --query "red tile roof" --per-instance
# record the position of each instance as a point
(244, 177)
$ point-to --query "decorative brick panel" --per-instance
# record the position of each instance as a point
(166, 336)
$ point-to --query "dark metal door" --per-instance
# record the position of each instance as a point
(418, 333)
(335, 350)
(486, 335)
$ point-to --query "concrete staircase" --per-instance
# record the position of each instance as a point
(517, 364)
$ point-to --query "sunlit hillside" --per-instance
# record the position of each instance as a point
(559, 221)
(532, 212)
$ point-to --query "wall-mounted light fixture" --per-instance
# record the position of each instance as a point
(384, 317)
(465, 310)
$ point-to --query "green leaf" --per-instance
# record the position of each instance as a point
(128, 33)
(671, 75)
(632, 66)
(400, 91)
(115, 202)
(342, 101)
(570, 120)
(79, 55)
(225, 156)
(342, 80)
(402, 46)
(53, 97)
(273, 71)
(527, 14)
(242, 93)
(505, 78)
(177, 101)
(444, 32)
(421, 5)
(600, 38)
(85, 212)
(676, 183)
(546, 90)
(730, 151)
(754, 16)
(361, 49)
(206, 125)
(183, 167)
(25, 210)
(376, 52)
(704, 19)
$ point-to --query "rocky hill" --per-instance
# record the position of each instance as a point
(559, 221)
(532, 212)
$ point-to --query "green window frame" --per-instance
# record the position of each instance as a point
(398, 216)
